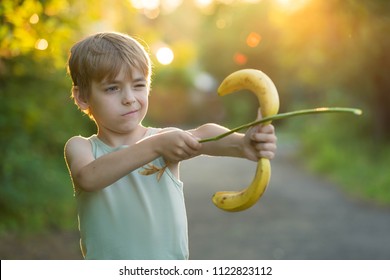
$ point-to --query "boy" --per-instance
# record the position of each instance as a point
(122, 213)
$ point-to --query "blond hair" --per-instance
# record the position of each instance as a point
(102, 56)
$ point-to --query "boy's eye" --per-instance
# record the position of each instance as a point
(112, 89)
(140, 86)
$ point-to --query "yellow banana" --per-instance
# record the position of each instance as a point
(263, 87)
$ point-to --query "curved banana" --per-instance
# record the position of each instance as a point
(263, 87)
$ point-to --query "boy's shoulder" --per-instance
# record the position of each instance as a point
(77, 142)
(77, 139)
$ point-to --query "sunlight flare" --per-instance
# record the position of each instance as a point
(292, 5)
(34, 19)
(165, 55)
(41, 44)
(253, 39)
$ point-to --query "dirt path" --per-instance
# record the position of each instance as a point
(52, 245)
(300, 217)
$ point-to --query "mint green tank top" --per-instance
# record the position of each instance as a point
(137, 217)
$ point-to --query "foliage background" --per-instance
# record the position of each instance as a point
(318, 53)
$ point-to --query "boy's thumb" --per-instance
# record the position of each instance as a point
(259, 115)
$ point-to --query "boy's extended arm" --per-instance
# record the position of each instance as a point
(259, 141)
(228, 146)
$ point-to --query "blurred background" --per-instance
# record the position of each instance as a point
(318, 53)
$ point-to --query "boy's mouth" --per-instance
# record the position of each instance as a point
(130, 112)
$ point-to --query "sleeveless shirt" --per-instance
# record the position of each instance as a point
(136, 217)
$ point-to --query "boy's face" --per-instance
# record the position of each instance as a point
(119, 105)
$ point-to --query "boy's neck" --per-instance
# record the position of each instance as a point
(114, 139)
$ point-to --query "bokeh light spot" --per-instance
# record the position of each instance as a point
(41, 44)
(240, 58)
(165, 55)
(253, 39)
(34, 19)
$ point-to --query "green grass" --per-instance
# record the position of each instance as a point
(359, 165)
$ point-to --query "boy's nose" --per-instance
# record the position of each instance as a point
(128, 96)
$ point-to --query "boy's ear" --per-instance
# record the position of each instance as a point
(80, 100)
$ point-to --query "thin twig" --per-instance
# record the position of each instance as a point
(152, 169)
(283, 116)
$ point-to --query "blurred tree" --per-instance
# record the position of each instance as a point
(371, 50)
(323, 53)
(35, 36)
(340, 46)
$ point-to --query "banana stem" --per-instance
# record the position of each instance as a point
(283, 116)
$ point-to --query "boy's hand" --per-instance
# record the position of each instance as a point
(177, 145)
(260, 142)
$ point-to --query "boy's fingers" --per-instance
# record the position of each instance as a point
(266, 154)
(264, 138)
(193, 142)
(266, 147)
(268, 129)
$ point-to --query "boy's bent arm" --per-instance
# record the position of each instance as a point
(92, 174)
